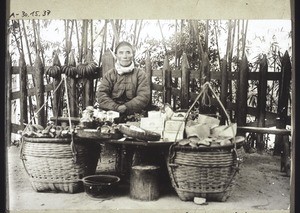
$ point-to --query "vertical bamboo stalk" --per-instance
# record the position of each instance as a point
(8, 74)
(40, 89)
(176, 66)
(23, 91)
(262, 99)
(149, 76)
(224, 86)
(167, 80)
(30, 62)
(91, 36)
(284, 85)
(185, 79)
(242, 92)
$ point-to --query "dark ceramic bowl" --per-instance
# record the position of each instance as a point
(100, 186)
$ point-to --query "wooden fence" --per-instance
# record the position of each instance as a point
(171, 91)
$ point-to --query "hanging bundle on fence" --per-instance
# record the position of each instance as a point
(88, 69)
(54, 71)
(70, 69)
(202, 166)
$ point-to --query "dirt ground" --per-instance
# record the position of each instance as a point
(260, 187)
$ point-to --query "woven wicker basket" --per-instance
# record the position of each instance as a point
(203, 172)
(207, 172)
(58, 164)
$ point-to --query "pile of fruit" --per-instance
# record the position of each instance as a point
(51, 131)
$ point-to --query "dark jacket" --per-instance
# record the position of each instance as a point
(131, 89)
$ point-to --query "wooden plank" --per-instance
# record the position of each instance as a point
(176, 73)
(30, 92)
(264, 130)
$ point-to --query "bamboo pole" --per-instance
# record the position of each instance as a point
(163, 38)
(8, 74)
(31, 111)
(149, 75)
(262, 99)
(40, 89)
(244, 39)
(167, 79)
(217, 42)
(91, 36)
(185, 80)
(224, 87)
(176, 66)
(283, 98)
(134, 31)
(242, 92)
(23, 91)
(206, 36)
(138, 35)
(78, 43)
(89, 89)
(72, 87)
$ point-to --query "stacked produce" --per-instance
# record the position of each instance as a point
(98, 121)
(206, 131)
(51, 131)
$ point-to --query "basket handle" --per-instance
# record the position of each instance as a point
(206, 86)
(171, 164)
(73, 149)
(22, 157)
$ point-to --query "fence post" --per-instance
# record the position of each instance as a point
(242, 90)
(57, 99)
(8, 76)
(205, 74)
(185, 79)
(149, 75)
(224, 87)
(167, 79)
(23, 91)
(261, 101)
(284, 93)
(72, 81)
(39, 89)
(107, 62)
(205, 106)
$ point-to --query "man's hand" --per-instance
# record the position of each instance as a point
(122, 108)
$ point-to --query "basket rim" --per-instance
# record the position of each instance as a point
(46, 140)
(239, 140)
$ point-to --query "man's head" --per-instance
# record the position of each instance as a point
(124, 53)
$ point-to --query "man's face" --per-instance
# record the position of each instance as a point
(124, 55)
